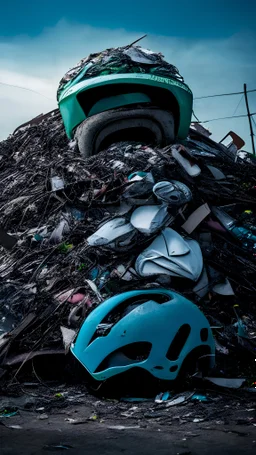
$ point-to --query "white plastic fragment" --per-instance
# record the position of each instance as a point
(150, 218)
(113, 230)
(15, 427)
(185, 160)
(176, 401)
(68, 336)
(122, 427)
(57, 183)
(196, 218)
(95, 290)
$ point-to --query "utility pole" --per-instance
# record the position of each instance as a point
(250, 120)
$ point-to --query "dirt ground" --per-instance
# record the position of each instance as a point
(75, 421)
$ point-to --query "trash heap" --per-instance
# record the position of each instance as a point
(59, 262)
(124, 60)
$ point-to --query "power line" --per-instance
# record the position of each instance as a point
(193, 112)
(224, 118)
(223, 94)
(196, 98)
(242, 97)
(25, 88)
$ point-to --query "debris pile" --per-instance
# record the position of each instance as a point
(124, 60)
(56, 265)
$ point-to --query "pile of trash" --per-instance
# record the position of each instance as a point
(75, 232)
(128, 59)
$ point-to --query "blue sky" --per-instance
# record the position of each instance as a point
(213, 43)
(189, 19)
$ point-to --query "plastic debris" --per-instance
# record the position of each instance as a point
(140, 192)
(7, 413)
(202, 286)
(165, 396)
(150, 219)
(196, 218)
(175, 401)
(57, 183)
(173, 255)
(68, 337)
(43, 417)
(201, 398)
(173, 193)
(186, 160)
(123, 427)
(217, 174)
(242, 234)
(223, 288)
(226, 382)
(135, 399)
(114, 234)
(15, 427)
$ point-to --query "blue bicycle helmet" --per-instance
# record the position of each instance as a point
(156, 330)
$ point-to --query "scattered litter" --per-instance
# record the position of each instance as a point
(53, 447)
(196, 218)
(226, 382)
(162, 397)
(186, 160)
(43, 417)
(68, 337)
(224, 288)
(122, 427)
(173, 193)
(217, 173)
(202, 286)
(176, 401)
(173, 255)
(76, 421)
(114, 234)
(7, 413)
(201, 398)
(130, 412)
(57, 183)
(15, 427)
(150, 218)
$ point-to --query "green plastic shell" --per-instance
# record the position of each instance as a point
(73, 114)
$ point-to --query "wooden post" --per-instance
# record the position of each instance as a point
(250, 120)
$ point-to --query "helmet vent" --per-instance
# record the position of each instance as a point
(178, 342)
(127, 355)
(204, 335)
(123, 309)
